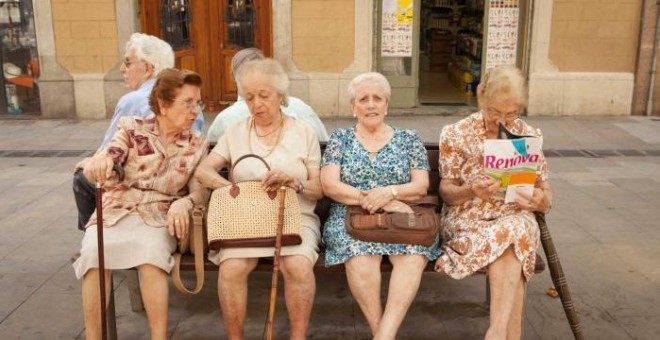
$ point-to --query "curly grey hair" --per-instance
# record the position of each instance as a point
(279, 80)
(369, 77)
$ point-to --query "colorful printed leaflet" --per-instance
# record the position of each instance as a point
(513, 162)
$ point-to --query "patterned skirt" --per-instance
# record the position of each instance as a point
(471, 245)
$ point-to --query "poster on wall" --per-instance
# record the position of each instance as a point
(502, 41)
(397, 28)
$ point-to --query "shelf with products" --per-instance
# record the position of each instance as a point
(451, 28)
(464, 73)
(18, 57)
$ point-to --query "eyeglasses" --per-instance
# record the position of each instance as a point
(192, 105)
(128, 63)
(497, 114)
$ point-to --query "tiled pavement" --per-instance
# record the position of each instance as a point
(604, 223)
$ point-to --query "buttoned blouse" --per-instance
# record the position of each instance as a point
(155, 174)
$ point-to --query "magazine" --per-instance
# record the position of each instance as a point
(513, 162)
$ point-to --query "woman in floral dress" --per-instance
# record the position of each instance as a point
(376, 166)
(478, 228)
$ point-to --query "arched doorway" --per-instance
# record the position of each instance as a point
(205, 36)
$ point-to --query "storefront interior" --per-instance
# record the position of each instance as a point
(19, 59)
(451, 35)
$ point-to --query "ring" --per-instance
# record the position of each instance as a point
(370, 206)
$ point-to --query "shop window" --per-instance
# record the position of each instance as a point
(175, 23)
(240, 22)
(19, 58)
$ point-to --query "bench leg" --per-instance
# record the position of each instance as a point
(134, 293)
(112, 315)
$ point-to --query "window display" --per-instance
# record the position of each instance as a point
(19, 58)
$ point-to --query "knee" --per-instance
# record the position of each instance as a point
(363, 265)
(417, 262)
(236, 268)
(297, 267)
(150, 271)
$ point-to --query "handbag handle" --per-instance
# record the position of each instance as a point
(250, 155)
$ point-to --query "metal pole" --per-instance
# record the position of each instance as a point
(654, 61)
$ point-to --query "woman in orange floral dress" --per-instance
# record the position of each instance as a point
(479, 229)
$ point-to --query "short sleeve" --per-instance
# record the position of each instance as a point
(334, 150)
(451, 157)
(418, 156)
(118, 146)
(313, 148)
(542, 169)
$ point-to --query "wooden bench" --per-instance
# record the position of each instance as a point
(322, 210)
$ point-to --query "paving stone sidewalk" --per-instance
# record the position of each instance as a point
(604, 222)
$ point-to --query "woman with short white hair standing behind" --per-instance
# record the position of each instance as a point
(377, 167)
(478, 229)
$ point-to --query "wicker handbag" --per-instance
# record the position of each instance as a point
(244, 215)
(420, 228)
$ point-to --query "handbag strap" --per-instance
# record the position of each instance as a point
(197, 247)
(250, 155)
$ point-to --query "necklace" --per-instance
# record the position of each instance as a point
(367, 142)
(269, 133)
(378, 137)
(277, 140)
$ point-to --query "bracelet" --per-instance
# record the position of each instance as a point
(300, 188)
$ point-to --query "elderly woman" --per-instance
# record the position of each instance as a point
(239, 110)
(479, 229)
(378, 167)
(292, 149)
(149, 208)
(144, 58)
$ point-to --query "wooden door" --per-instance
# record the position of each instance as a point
(205, 36)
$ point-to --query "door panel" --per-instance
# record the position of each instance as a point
(246, 23)
(205, 36)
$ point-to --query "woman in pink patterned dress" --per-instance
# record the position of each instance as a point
(479, 229)
(146, 211)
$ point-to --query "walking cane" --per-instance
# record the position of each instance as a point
(99, 237)
(558, 278)
(276, 267)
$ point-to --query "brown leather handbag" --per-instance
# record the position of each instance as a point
(419, 228)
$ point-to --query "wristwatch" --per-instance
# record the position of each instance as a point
(394, 192)
(300, 187)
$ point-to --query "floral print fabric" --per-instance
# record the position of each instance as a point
(390, 166)
(477, 232)
(155, 174)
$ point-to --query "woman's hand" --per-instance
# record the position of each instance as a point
(178, 217)
(484, 189)
(376, 198)
(398, 207)
(274, 179)
(538, 201)
(99, 168)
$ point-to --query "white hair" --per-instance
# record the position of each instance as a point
(374, 77)
(279, 80)
(243, 56)
(152, 50)
(500, 84)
